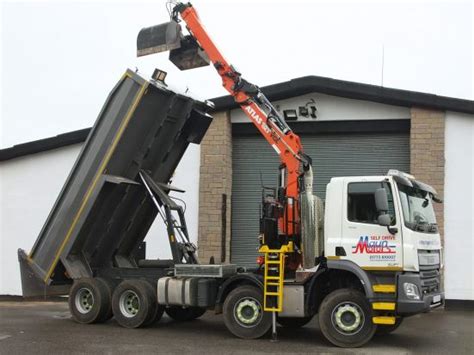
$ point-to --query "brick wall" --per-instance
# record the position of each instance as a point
(215, 181)
(427, 153)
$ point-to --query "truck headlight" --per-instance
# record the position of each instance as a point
(411, 291)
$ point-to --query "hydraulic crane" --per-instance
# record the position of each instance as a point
(197, 49)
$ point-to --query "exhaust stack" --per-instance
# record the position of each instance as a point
(308, 221)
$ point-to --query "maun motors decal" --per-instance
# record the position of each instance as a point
(376, 244)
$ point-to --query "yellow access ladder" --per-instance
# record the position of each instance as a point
(274, 276)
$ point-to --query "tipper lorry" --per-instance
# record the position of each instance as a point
(363, 260)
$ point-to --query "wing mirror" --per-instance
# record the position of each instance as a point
(381, 204)
(381, 200)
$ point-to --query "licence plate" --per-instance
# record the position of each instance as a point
(436, 298)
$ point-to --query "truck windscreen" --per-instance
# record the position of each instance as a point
(417, 206)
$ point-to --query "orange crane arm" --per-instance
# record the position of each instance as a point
(256, 106)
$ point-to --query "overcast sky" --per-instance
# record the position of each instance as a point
(59, 60)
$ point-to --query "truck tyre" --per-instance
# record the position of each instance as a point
(243, 313)
(110, 285)
(387, 329)
(90, 300)
(134, 304)
(184, 314)
(158, 315)
(293, 322)
(345, 318)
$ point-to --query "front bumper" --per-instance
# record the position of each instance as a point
(406, 306)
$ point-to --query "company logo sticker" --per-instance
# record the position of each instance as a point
(379, 247)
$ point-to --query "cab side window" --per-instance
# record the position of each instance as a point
(361, 202)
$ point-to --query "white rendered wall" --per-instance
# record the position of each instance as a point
(29, 187)
(459, 206)
(333, 108)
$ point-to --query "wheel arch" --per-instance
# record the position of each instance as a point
(355, 269)
(336, 274)
(233, 282)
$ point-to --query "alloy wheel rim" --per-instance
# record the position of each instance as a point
(248, 312)
(348, 318)
(129, 303)
(84, 300)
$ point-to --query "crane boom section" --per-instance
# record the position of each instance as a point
(252, 101)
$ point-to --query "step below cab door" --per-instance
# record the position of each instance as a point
(365, 242)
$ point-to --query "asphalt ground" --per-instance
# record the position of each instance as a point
(47, 328)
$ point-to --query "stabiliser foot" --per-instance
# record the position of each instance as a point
(274, 330)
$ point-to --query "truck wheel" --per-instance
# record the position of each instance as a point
(387, 329)
(184, 314)
(134, 304)
(293, 322)
(243, 313)
(345, 318)
(89, 300)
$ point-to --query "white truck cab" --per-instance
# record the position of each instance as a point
(397, 244)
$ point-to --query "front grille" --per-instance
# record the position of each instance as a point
(430, 278)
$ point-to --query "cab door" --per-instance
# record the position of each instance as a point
(365, 242)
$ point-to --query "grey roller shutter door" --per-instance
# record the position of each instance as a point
(333, 155)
